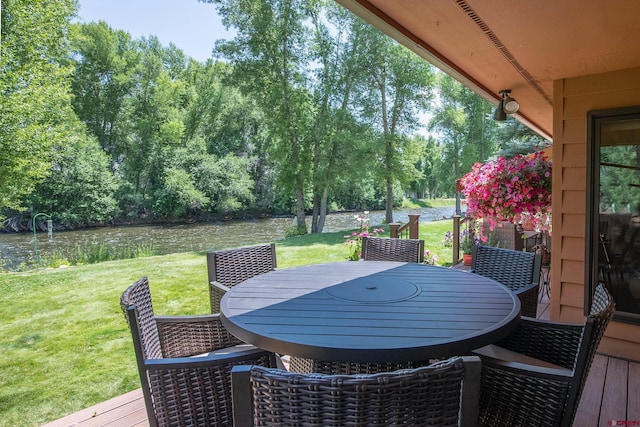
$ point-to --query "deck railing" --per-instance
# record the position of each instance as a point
(410, 231)
(458, 223)
(405, 231)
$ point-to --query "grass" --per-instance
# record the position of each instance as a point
(65, 345)
(412, 203)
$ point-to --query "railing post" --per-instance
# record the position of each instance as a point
(456, 239)
(393, 230)
(414, 226)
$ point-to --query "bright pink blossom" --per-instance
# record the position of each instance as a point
(514, 190)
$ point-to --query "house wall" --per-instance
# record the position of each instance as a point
(573, 98)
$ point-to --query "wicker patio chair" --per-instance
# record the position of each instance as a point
(517, 270)
(178, 389)
(388, 249)
(229, 267)
(536, 375)
(442, 394)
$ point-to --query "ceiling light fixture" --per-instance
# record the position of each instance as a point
(507, 105)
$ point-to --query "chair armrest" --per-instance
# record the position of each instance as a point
(528, 287)
(528, 367)
(470, 391)
(216, 292)
(553, 342)
(242, 396)
(247, 354)
(492, 351)
(528, 297)
(184, 336)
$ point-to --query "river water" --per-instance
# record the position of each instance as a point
(16, 248)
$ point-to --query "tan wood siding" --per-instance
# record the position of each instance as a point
(620, 347)
(572, 249)
(575, 155)
(556, 197)
(571, 314)
(573, 98)
(602, 84)
(574, 131)
(572, 274)
(572, 225)
(574, 178)
(573, 201)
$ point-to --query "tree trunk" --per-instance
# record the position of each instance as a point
(300, 215)
(323, 210)
(389, 203)
(315, 213)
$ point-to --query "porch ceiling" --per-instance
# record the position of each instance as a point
(511, 44)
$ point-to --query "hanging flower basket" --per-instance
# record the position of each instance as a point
(516, 190)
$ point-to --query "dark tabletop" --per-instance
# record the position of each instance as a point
(370, 311)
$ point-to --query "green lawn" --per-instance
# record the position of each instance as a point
(65, 345)
(427, 203)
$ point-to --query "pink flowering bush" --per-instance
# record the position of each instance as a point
(354, 240)
(516, 190)
(430, 259)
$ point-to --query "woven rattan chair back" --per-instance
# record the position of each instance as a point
(392, 249)
(138, 295)
(443, 394)
(517, 270)
(304, 365)
(231, 266)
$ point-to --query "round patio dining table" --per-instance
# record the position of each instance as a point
(370, 311)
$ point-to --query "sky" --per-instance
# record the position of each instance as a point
(192, 26)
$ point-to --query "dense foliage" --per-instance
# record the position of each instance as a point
(307, 110)
(35, 109)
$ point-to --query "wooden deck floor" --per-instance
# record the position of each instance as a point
(612, 393)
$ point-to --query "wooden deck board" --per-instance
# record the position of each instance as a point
(123, 410)
(614, 397)
(633, 396)
(588, 411)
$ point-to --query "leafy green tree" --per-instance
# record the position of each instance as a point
(430, 165)
(227, 182)
(398, 88)
(619, 178)
(270, 59)
(105, 60)
(178, 196)
(515, 138)
(182, 139)
(231, 123)
(480, 132)
(338, 140)
(155, 120)
(462, 125)
(81, 189)
(35, 92)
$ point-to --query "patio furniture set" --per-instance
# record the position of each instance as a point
(386, 341)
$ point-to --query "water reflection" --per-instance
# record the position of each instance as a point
(18, 247)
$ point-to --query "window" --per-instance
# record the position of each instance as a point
(613, 208)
